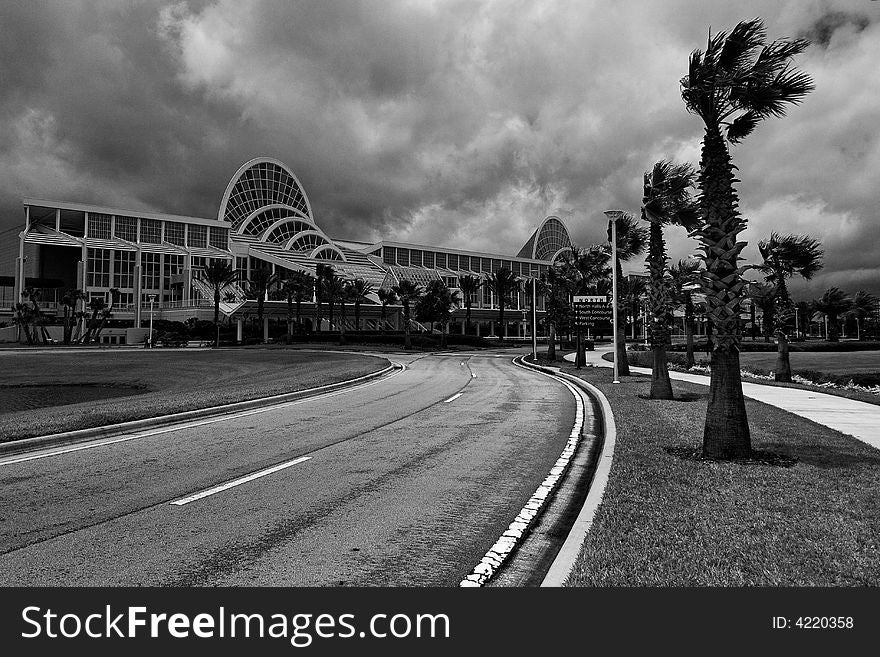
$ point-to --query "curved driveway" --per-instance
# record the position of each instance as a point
(408, 481)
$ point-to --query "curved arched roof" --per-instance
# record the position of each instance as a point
(548, 241)
(264, 199)
(260, 182)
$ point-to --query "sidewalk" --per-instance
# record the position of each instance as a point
(858, 419)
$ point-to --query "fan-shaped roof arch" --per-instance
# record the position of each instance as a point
(258, 183)
(548, 242)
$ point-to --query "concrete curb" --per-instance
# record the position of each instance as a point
(563, 564)
(525, 519)
(15, 447)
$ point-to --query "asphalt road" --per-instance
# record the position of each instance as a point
(408, 481)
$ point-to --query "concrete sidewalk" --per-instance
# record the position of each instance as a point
(855, 418)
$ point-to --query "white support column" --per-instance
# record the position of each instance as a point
(58, 220)
(265, 329)
(239, 330)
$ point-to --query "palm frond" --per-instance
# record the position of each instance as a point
(737, 52)
(741, 127)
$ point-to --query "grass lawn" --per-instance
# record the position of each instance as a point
(153, 382)
(668, 521)
(840, 362)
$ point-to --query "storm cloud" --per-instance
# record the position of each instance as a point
(458, 122)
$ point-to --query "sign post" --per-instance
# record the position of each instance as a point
(590, 312)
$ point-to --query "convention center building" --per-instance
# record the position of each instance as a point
(265, 220)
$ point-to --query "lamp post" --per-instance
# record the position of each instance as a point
(613, 216)
(534, 320)
(797, 325)
(152, 299)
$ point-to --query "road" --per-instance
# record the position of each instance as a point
(406, 481)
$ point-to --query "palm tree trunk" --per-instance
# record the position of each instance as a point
(467, 317)
(342, 322)
(689, 330)
(216, 317)
(783, 364)
(406, 341)
(726, 432)
(661, 311)
(502, 332)
(622, 362)
(551, 343)
(661, 385)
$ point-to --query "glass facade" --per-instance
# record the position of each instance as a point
(123, 269)
(99, 226)
(98, 273)
(126, 228)
(151, 270)
(197, 236)
(151, 231)
(175, 233)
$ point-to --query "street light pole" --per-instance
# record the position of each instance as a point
(152, 299)
(535, 320)
(613, 216)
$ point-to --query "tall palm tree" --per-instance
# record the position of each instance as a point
(864, 307)
(360, 289)
(349, 295)
(683, 278)
(736, 83)
(834, 303)
(322, 274)
(784, 256)
(261, 280)
(553, 286)
(23, 318)
(333, 291)
(504, 284)
(631, 241)
(96, 305)
(469, 286)
(386, 298)
(218, 274)
(297, 287)
(408, 293)
(667, 200)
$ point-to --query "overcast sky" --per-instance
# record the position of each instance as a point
(460, 123)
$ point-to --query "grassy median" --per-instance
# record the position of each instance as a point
(47, 393)
(806, 514)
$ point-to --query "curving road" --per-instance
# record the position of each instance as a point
(405, 481)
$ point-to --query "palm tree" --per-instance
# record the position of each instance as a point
(24, 316)
(834, 303)
(333, 291)
(261, 280)
(297, 288)
(386, 298)
(667, 200)
(107, 313)
(864, 307)
(349, 294)
(554, 287)
(322, 274)
(736, 83)
(631, 242)
(96, 305)
(69, 301)
(360, 289)
(504, 284)
(469, 286)
(38, 320)
(804, 310)
(632, 291)
(683, 278)
(218, 274)
(783, 257)
(408, 293)
(436, 305)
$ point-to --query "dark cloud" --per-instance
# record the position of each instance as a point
(459, 122)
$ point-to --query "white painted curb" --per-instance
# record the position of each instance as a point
(525, 519)
(563, 565)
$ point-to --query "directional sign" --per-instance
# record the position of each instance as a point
(592, 311)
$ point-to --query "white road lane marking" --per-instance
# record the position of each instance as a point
(239, 482)
(193, 424)
(453, 398)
